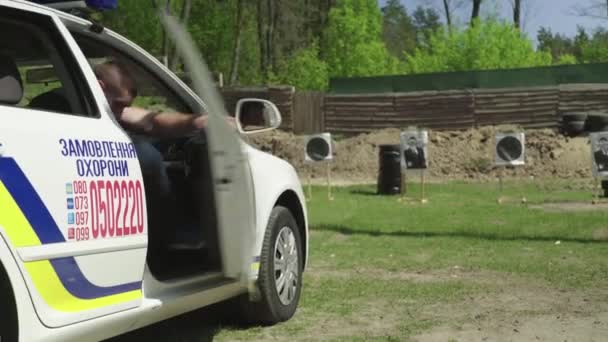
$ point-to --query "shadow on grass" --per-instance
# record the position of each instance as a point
(364, 192)
(373, 193)
(201, 326)
(473, 235)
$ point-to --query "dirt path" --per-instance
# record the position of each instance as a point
(514, 309)
(521, 310)
(550, 327)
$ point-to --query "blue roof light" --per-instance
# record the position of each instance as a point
(94, 4)
(102, 4)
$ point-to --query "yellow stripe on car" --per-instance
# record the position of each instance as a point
(43, 276)
(16, 226)
(56, 296)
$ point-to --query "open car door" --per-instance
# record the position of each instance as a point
(232, 188)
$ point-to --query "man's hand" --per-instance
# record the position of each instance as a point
(202, 121)
(138, 118)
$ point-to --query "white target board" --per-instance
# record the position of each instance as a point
(414, 151)
(318, 148)
(599, 153)
(510, 149)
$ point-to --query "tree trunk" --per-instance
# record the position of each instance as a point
(307, 21)
(184, 17)
(269, 32)
(476, 6)
(234, 70)
(272, 32)
(448, 16)
(262, 38)
(517, 13)
(166, 42)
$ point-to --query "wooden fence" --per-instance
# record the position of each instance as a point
(356, 113)
(583, 98)
(530, 108)
(536, 107)
(309, 116)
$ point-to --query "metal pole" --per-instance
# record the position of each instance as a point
(329, 182)
(500, 185)
(310, 183)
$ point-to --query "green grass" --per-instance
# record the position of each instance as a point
(363, 244)
(462, 224)
(384, 270)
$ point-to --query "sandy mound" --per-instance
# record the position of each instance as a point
(453, 155)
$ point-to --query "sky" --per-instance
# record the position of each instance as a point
(554, 14)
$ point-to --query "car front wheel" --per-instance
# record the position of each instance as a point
(280, 275)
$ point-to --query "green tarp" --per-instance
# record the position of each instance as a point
(506, 78)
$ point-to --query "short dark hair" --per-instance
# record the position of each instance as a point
(102, 72)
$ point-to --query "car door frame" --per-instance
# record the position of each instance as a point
(240, 273)
(85, 308)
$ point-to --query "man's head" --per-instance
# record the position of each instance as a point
(118, 85)
(603, 144)
(412, 142)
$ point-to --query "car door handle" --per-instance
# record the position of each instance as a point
(225, 181)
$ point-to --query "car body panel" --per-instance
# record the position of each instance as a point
(268, 190)
(96, 262)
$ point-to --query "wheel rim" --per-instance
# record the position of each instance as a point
(286, 266)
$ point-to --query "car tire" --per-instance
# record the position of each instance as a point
(8, 322)
(277, 305)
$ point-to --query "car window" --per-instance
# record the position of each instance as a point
(152, 93)
(34, 53)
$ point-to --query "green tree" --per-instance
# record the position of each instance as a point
(580, 41)
(484, 45)
(399, 33)
(352, 40)
(304, 70)
(566, 58)
(556, 44)
(596, 49)
(426, 23)
(137, 21)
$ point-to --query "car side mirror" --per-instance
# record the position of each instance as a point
(256, 116)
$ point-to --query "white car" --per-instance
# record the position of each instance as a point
(78, 261)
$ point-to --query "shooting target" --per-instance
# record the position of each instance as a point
(510, 149)
(414, 152)
(319, 148)
(599, 153)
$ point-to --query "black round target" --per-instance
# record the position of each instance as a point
(317, 149)
(509, 149)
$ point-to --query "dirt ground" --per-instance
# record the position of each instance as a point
(514, 309)
(522, 310)
(453, 155)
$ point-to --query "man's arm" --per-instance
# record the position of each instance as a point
(163, 123)
(176, 124)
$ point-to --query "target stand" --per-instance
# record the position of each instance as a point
(319, 149)
(414, 156)
(407, 199)
(599, 157)
(509, 150)
(597, 190)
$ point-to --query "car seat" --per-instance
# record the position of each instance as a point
(11, 86)
(53, 100)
